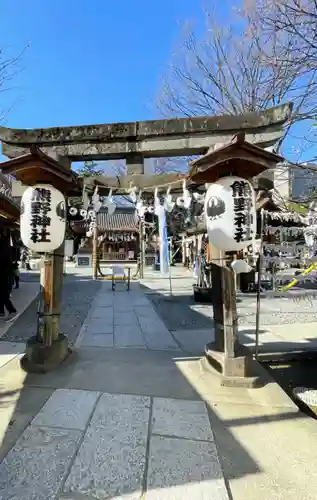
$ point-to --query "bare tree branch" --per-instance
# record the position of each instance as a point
(255, 62)
(9, 68)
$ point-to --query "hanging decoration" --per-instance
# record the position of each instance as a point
(240, 266)
(230, 213)
(95, 200)
(199, 197)
(291, 217)
(140, 207)
(96, 204)
(185, 200)
(133, 193)
(164, 254)
(109, 203)
(161, 215)
(169, 204)
(43, 218)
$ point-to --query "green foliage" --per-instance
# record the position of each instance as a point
(90, 168)
(298, 208)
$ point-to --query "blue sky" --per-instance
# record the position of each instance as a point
(89, 61)
(94, 61)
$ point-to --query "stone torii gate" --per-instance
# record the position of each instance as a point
(135, 141)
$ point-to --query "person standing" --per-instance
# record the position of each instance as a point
(15, 257)
(6, 279)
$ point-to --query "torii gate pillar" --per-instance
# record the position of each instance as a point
(49, 347)
(244, 160)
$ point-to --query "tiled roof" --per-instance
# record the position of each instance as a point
(117, 222)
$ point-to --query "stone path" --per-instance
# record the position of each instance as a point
(124, 319)
(119, 446)
(131, 417)
(114, 446)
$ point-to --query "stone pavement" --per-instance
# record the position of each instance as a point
(131, 416)
(114, 446)
(281, 341)
(124, 319)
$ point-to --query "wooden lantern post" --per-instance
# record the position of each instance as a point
(245, 160)
(49, 347)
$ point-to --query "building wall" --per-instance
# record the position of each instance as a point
(303, 182)
(282, 182)
(18, 189)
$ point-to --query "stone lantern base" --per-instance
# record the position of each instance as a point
(238, 371)
(39, 358)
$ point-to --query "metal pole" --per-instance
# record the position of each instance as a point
(141, 245)
(258, 292)
(170, 270)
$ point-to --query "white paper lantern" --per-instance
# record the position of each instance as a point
(230, 213)
(43, 218)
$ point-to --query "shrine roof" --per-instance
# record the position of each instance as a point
(121, 220)
(9, 208)
(118, 222)
(237, 157)
(28, 166)
(38, 154)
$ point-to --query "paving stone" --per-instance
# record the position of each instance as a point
(9, 350)
(102, 312)
(186, 419)
(160, 342)
(194, 341)
(145, 311)
(111, 460)
(182, 469)
(16, 413)
(37, 464)
(152, 324)
(97, 340)
(141, 301)
(124, 307)
(128, 336)
(100, 326)
(125, 318)
(156, 335)
(68, 409)
(103, 300)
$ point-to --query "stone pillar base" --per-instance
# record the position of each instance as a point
(39, 358)
(233, 372)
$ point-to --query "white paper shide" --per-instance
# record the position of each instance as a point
(230, 213)
(43, 218)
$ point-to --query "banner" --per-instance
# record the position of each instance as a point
(164, 253)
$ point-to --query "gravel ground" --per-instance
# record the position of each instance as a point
(276, 311)
(76, 301)
(180, 313)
